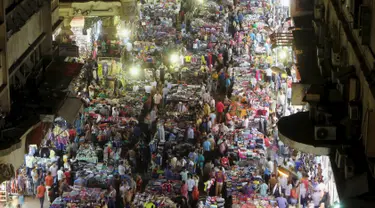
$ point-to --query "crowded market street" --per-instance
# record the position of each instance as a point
(179, 111)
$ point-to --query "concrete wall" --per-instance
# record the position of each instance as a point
(98, 8)
(368, 100)
(20, 41)
(55, 16)
(15, 154)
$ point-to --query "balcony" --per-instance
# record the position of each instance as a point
(18, 14)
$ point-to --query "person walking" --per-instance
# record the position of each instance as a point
(41, 191)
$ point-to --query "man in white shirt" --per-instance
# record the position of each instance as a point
(283, 181)
(184, 175)
(223, 128)
(190, 133)
(121, 169)
(53, 169)
(212, 104)
(206, 97)
(190, 183)
(157, 99)
(165, 91)
(173, 163)
(60, 174)
(270, 165)
(288, 190)
(245, 123)
(268, 75)
(316, 197)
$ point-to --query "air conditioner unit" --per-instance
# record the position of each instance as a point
(340, 158)
(349, 168)
(353, 89)
(354, 113)
(335, 57)
(327, 133)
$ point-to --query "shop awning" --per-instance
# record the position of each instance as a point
(70, 109)
(297, 131)
(298, 93)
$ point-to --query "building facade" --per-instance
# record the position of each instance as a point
(341, 119)
(25, 40)
(26, 50)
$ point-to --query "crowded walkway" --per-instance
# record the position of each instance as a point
(185, 118)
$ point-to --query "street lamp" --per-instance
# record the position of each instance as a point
(134, 71)
(283, 55)
(174, 59)
(124, 33)
(285, 3)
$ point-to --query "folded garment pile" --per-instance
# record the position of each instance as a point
(151, 200)
(79, 198)
(212, 202)
(164, 187)
(87, 152)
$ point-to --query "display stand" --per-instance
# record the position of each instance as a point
(3, 192)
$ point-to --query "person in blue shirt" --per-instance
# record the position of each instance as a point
(263, 188)
(282, 202)
(168, 173)
(267, 174)
(200, 162)
(206, 146)
(252, 36)
(227, 85)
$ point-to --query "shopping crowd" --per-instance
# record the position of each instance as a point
(204, 135)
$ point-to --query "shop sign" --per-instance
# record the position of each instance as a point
(47, 118)
(68, 50)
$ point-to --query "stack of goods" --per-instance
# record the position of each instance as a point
(130, 105)
(247, 145)
(239, 177)
(143, 199)
(187, 93)
(212, 202)
(87, 152)
(79, 198)
(253, 202)
(164, 187)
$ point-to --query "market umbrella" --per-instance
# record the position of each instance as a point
(277, 69)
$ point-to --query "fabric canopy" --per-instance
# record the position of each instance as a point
(70, 109)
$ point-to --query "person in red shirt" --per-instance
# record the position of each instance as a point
(68, 177)
(220, 110)
(41, 191)
(49, 182)
(72, 134)
(224, 162)
(267, 142)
